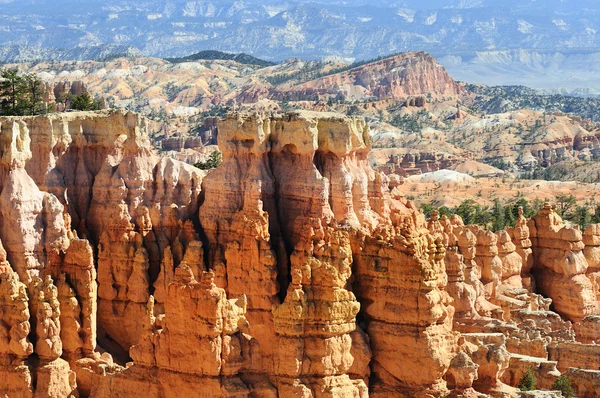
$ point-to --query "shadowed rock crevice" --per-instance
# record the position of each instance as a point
(282, 243)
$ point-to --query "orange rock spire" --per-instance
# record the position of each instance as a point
(291, 270)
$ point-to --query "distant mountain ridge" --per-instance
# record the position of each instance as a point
(483, 41)
(18, 54)
(213, 54)
(573, 72)
(281, 29)
(502, 99)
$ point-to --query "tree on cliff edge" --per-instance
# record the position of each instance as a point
(21, 95)
(214, 160)
(12, 93)
(34, 90)
(84, 102)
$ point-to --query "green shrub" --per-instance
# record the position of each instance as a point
(84, 102)
(528, 381)
(213, 161)
(563, 385)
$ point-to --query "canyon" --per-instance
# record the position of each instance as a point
(415, 108)
(146, 84)
(291, 270)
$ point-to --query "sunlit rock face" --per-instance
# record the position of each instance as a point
(560, 265)
(291, 270)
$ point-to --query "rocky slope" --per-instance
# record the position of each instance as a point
(524, 142)
(290, 270)
(391, 78)
(418, 110)
(150, 83)
(559, 70)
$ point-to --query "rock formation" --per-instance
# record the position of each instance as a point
(397, 77)
(560, 265)
(591, 239)
(418, 163)
(291, 270)
(519, 235)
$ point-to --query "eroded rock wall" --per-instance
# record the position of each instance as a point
(291, 270)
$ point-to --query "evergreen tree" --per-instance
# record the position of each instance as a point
(565, 205)
(21, 95)
(466, 210)
(536, 206)
(12, 93)
(582, 217)
(509, 215)
(445, 211)
(427, 208)
(528, 381)
(596, 216)
(499, 221)
(527, 210)
(83, 102)
(563, 384)
(213, 161)
(483, 216)
(34, 88)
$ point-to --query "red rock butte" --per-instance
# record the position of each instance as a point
(291, 270)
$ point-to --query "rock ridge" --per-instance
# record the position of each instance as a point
(291, 270)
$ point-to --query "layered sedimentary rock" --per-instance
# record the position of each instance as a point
(196, 348)
(560, 265)
(460, 278)
(300, 179)
(316, 333)
(401, 284)
(398, 77)
(591, 239)
(291, 270)
(73, 193)
(519, 235)
(418, 163)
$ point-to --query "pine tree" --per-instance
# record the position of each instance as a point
(583, 218)
(563, 384)
(565, 204)
(427, 208)
(509, 216)
(536, 206)
(596, 216)
(528, 381)
(214, 160)
(527, 210)
(21, 95)
(466, 210)
(83, 102)
(34, 88)
(12, 93)
(445, 211)
(499, 221)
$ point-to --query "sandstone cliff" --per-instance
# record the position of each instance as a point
(397, 77)
(291, 270)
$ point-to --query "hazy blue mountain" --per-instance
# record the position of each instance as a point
(281, 29)
(19, 53)
(466, 34)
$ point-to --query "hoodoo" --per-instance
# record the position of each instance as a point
(291, 270)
